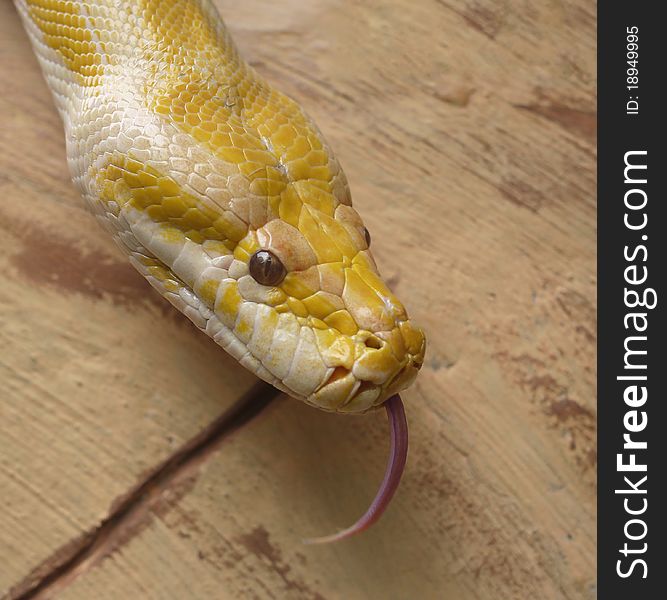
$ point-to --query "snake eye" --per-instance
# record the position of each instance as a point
(266, 268)
(367, 235)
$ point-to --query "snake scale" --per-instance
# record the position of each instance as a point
(229, 201)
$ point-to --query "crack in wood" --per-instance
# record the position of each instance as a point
(132, 512)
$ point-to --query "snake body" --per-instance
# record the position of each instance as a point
(198, 167)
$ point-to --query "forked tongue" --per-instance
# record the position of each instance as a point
(397, 455)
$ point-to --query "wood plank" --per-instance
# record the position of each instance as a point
(467, 130)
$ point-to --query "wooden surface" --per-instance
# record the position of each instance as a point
(467, 130)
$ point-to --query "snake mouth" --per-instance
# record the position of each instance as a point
(343, 391)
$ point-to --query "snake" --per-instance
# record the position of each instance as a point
(227, 198)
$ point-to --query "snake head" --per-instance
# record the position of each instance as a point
(328, 327)
(285, 280)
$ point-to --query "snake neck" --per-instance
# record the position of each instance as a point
(141, 47)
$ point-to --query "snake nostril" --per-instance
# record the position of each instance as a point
(373, 342)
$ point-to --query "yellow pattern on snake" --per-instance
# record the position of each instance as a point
(196, 164)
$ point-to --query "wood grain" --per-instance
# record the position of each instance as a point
(467, 130)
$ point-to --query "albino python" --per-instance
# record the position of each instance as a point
(229, 202)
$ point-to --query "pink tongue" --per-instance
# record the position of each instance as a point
(392, 476)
